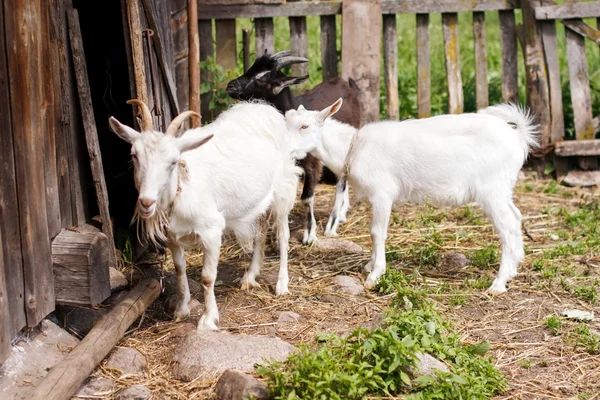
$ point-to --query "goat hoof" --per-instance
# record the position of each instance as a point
(207, 324)
(248, 283)
(281, 289)
(370, 283)
(330, 233)
(309, 239)
(497, 288)
(181, 313)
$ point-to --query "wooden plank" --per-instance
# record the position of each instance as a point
(583, 29)
(510, 68)
(423, 67)
(575, 10)
(299, 44)
(9, 206)
(246, 48)
(161, 55)
(5, 315)
(265, 40)
(226, 45)
(390, 65)
(179, 32)
(89, 126)
(481, 81)
(207, 49)
(361, 52)
(569, 148)
(194, 60)
(329, 57)
(25, 65)
(538, 97)
(556, 104)
(452, 55)
(137, 50)
(65, 378)
(304, 8)
(81, 271)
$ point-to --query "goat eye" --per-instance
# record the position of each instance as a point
(303, 127)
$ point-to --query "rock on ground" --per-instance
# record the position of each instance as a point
(348, 284)
(236, 385)
(456, 260)
(32, 358)
(426, 365)
(127, 360)
(135, 392)
(582, 178)
(118, 281)
(338, 244)
(287, 316)
(203, 355)
(96, 388)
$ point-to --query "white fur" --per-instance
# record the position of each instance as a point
(241, 175)
(448, 160)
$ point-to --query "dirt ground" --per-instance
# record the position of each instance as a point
(536, 363)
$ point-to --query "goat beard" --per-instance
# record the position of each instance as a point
(151, 230)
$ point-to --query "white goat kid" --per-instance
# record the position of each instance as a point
(330, 148)
(191, 189)
(450, 160)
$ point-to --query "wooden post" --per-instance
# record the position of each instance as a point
(265, 40)
(89, 126)
(180, 35)
(481, 82)
(246, 48)
(194, 60)
(423, 67)
(329, 58)
(390, 61)
(137, 49)
(5, 315)
(67, 376)
(207, 49)
(81, 268)
(451, 51)
(510, 69)
(299, 44)
(226, 46)
(361, 52)
(556, 103)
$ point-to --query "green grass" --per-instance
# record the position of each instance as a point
(554, 323)
(378, 362)
(407, 75)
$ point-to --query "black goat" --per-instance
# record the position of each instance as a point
(264, 80)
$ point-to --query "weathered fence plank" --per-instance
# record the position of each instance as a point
(246, 48)
(510, 70)
(25, 63)
(89, 126)
(451, 51)
(207, 49)
(226, 45)
(303, 8)
(577, 25)
(574, 10)
(194, 61)
(299, 44)
(137, 50)
(390, 65)
(329, 59)
(179, 32)
(361, 52)
(568, 148)
(5, 315)
(481, 82)
(423, 67)
(556, 104)
(265, 39)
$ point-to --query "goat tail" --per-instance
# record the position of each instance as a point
(520, 119)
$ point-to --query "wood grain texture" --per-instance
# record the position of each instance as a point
(299, 44)
(137, 50)
(194, 60)
(10, 229)
(25, 65)
(423, 67)
(568, 148)
(207, 49)
(574, 10)
(361, 52)
(179, 32)
(89, 126)
(81, 274)
(226, 45)
(5, 315)
(265, 39)
(390, 65)
(481, 81)
(510, 69)
(580, 27)
(452, 56)
(246, 48)
(556, 103)
(329, 56)
(65, 378)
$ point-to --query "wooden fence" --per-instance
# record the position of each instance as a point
(536, 35)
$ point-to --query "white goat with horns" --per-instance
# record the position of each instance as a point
(232, 174)
(450, 160)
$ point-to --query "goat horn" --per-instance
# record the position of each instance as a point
(144, 113)
(285, 61)
(178, 120)
(282, 54)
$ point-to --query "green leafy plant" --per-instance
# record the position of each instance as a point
(215, 85)
(554, 323)
(486, 257)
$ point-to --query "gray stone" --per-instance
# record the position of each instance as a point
(288, 316)
(79, 320)
(203, 355)
(183, 329)
(135, 392)
(97, 388)
(31, 358)
(456, 260)
(348, 284)
(338, 244)
(582, 178)
(127, 360)
(236, 385)
(118, 281)
(426, 365)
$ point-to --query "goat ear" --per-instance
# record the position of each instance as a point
(289, 81)
(329, 111)
(126, 133)
(192, 140)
